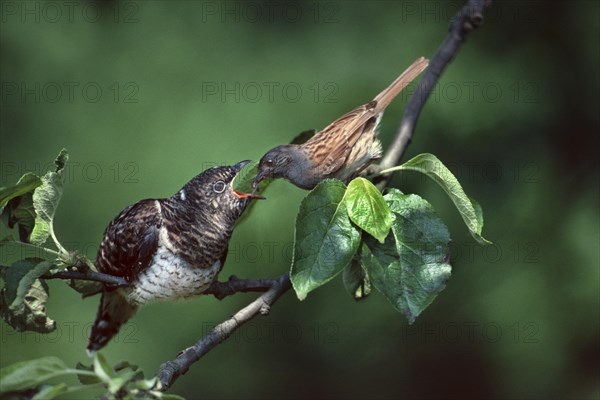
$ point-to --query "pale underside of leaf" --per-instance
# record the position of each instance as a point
(45, 202)
(28, 374)
(469, 210)
(26, 184)
(23, 298)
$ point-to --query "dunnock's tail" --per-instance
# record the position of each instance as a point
(384, 98)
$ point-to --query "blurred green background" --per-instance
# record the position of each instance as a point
(146, 95)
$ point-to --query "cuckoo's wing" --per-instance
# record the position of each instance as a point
(130, 240)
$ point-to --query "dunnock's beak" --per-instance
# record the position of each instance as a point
(259, 177)
(241, 195)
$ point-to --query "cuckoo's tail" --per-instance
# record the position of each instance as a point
(384, 98)
(113, 312)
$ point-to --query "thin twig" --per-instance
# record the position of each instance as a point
(467, 19)
(171, 370)
(110, 280)
(235, 285)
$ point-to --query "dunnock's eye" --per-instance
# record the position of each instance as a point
(219, 187)
(269, 163)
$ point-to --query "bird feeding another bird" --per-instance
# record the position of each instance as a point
(167, 248)
(343, 149)
(175, 247)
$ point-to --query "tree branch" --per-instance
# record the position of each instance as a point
(107, 280)
(171, 370)
(467, 19)
(218, 289)
(470, 17)
(234, 285)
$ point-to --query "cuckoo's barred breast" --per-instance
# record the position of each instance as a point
(166, 249)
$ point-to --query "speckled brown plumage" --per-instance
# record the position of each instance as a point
(167, 248)
(343, 148)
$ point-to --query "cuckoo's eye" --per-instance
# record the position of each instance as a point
(219, 187)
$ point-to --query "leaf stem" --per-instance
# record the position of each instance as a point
(79, 372)
(47, 250)
(63, 252)
(73, 389)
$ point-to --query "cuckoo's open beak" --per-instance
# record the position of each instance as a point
(241, 195)
(238, 167)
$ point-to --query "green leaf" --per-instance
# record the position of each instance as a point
(29, 374)
(356, 281)
(49, 392)
(325, 239)
(121, 365)
(123, 373)
(26, 184)
(23, 298)
(31, 314)
(146, 384)
(368, 209)
(431, 166)
(244, 179)
(102, 369)
(116, 383)
(86, 288)
(411, 267)
(61, 160)
(45, 201)
(478, 214)
(32, 202)
(19, 211)
(8, 239)
(20, 276)
(84, 378)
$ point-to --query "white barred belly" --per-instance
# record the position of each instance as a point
(169, 277)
